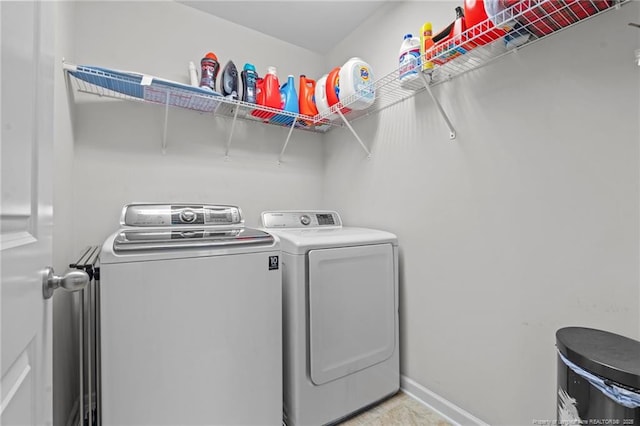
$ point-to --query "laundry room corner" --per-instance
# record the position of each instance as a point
(526, 222)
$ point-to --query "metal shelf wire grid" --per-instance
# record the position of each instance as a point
(138, 87)
(522, 23)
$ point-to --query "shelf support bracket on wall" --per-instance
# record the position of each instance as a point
(452, 131)
(164, 131)
(233, 126)
(364, 147)
(71, 97)
(286, 142)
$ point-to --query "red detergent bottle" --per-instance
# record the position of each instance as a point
(268, 94)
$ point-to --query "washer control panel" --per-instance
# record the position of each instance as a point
(301, 219)
(142, 215)
(305, 220)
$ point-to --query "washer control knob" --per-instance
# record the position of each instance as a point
(305, 220)
(188, 216)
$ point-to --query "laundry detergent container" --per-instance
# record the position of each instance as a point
(598, 377)
(356, 84)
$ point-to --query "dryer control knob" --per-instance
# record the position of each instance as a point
(188, 216)
(305, 220)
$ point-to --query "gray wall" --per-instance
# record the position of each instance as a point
(525, 223)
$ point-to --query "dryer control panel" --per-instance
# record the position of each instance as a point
(160, 215)
(301, 219)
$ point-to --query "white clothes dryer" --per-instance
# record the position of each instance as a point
(190, 316)
(340, 315)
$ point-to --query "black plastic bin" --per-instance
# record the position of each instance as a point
(598, 378)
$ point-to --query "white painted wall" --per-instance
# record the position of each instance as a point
(114, 155)
(526, 223)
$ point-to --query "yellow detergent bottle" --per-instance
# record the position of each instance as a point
(425, 44)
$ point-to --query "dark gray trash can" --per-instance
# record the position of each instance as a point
(598, 378)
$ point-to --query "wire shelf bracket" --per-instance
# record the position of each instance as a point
(346, 122)
(71, 98)
(133, 86)
(286, 142)
(233, 127)
(445, 117)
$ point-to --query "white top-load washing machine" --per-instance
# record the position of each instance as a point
(190, 319)
(340, 322)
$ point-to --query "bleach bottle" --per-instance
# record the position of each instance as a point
(409, 60)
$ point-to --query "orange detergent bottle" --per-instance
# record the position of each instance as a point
(306, 101)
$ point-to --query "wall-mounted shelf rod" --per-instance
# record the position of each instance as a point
(346, 122)
(286, 142)
(452, 131)
(233, 126)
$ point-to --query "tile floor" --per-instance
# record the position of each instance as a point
(399, 410)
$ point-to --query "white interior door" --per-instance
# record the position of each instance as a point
(26, 90)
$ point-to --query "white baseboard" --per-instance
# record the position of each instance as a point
(74, 414)
(451, 412)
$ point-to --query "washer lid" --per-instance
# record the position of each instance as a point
(300, 241)
(134, 240)
(605, 354)
(304, 230)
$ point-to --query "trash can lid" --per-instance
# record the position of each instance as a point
(605, 354)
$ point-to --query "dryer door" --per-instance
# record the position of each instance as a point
(352, 309)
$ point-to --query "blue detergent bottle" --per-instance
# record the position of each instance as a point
(288, 101)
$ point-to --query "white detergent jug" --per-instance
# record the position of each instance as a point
(321, 95)
(356, 84)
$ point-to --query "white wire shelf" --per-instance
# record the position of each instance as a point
(521, 24)
(528, 21)
(140, 87)
(134, 86)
